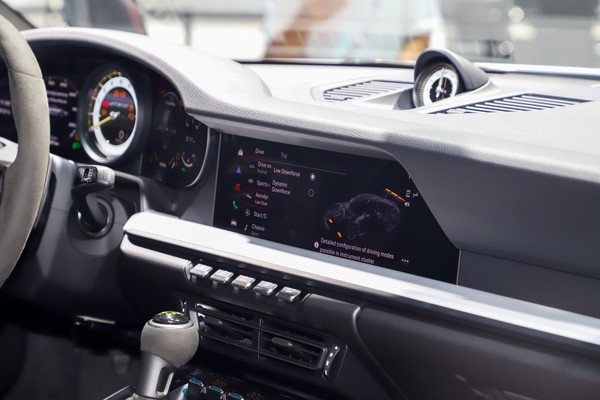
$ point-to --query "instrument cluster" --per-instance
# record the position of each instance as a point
(118, 114)
(178, 145)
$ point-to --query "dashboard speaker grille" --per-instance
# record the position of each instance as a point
(363, 89)
(523, 102)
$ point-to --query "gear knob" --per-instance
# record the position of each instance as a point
(169, 340)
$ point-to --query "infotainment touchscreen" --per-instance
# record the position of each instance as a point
(357, 208)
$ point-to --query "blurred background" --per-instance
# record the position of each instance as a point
(547, 32)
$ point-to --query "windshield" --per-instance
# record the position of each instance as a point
(545, 32)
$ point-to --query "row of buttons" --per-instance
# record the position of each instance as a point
(243, 282)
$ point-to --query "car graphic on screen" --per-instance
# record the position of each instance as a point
(362, 215)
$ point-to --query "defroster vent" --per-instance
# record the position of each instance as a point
(523, 102)
(364, 89)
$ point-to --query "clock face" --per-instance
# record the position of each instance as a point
(436, 83)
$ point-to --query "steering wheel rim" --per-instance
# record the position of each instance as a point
(25, 179)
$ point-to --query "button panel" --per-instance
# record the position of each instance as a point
(288, 294)
(235, 283)
(195, 390)
(329, 361)
(243, 282)
(222, 386)
(265, 288)
(222, 276)
(214, 392)
(201, 270)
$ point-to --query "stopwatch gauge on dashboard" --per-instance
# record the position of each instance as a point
(436, 83)
(115, 108)
(441, 74)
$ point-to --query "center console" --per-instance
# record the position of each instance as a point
(300, 241)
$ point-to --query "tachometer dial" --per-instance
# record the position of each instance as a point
(178, 145)
(435, 83)
(113, 114)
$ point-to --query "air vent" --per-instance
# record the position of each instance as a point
(292, 347)
(524, 102)
(271, 342)
(363, 89)
(221, 329)
(226, 327)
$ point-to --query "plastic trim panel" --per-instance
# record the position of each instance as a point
(389, 283)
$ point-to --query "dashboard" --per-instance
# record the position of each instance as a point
(111, 111)
(444, 214)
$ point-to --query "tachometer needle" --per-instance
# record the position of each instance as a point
(111, 116)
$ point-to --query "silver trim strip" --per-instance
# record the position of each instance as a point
(304, 263)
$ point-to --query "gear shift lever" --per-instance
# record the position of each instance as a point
(169, 340)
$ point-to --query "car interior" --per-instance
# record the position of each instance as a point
(178, 225)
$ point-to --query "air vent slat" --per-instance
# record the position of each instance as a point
(524, 102)
(539, 104)
(338, 98)
(289, 349)
(491, 107)
(520, 105)
(379, 87)
(551, 100)
(364, 89)
(355, 92)
(515, 107)
(466, 111)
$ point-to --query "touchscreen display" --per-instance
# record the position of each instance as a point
(353, 207)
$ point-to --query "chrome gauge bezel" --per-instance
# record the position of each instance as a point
(431, 75)
(104, 145)
(99, 84)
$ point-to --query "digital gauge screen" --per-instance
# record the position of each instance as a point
(357, 208)
(63, 97)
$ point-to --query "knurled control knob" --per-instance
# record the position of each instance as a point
(170, 318)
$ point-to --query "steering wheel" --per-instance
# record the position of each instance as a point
(24, 180)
